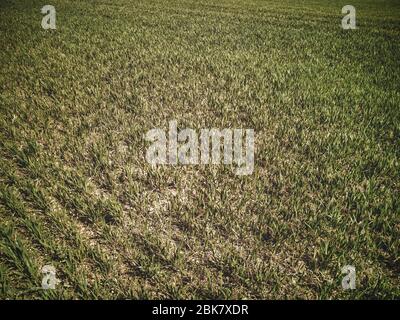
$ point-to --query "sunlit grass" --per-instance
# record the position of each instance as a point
(77, 193)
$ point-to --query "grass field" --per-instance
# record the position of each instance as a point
(77, 193)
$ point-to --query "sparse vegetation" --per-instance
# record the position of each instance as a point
(77, 193)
